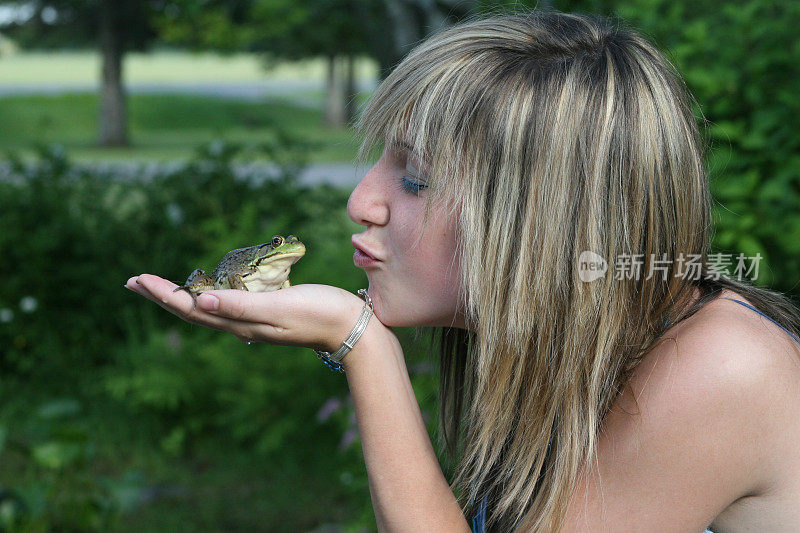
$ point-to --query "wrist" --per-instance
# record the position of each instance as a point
(376, 341)
(333, 359)
(344, 321)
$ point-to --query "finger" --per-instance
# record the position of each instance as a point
(134, 285)
(137, 286)
(259, 315)
(260, 308)
(182, 305)
(251, 325)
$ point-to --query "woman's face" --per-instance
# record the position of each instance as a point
(412, 268)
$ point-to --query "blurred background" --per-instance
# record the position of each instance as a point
(156, 135)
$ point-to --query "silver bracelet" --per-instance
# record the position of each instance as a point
(334, 360)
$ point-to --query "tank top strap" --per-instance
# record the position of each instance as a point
(479, 518)
(792, 335)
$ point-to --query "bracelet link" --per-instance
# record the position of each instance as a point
(333, 360)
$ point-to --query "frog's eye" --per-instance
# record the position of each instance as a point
(277, 240)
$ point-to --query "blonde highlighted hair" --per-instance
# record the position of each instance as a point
(548, 134)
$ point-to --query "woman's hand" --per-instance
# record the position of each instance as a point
(315, 316)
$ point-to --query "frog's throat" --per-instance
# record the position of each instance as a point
(191, 293)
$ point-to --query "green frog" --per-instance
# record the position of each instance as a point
(261, 268)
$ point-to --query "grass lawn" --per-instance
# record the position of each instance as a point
(165, 127)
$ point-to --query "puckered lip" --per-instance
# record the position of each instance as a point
(365, 250)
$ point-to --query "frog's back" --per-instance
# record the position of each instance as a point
(234, 261)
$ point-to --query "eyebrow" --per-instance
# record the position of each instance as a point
(424, 166)
(410, 149)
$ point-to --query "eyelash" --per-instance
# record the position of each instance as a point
(412, 186)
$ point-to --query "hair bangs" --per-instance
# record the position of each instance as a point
(431, 111)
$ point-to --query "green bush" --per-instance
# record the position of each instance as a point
(56, 491)
(70, 332)
(741, 60)
(72, 235)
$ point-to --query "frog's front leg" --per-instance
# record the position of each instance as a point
(286, 284)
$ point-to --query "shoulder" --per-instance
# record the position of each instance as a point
(725, 350)
(691, 433)
(725, 354)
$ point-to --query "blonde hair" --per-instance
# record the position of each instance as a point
(548, 134)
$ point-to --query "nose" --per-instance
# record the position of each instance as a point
(368, 204)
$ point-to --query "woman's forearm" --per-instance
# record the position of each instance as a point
(409, 491)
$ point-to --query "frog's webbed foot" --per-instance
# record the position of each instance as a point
(192, 293)
(197, 282)
(286, 284)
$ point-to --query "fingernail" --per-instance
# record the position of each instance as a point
(207, 302)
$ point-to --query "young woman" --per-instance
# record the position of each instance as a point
(653, 400)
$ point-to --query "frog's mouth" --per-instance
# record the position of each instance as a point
(289, 258)
(294, 255)
(277, 270)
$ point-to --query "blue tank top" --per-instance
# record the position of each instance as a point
(479, 518)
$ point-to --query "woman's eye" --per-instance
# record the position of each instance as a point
(412, 184)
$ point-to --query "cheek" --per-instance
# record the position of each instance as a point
(422, 287)
(432, 264)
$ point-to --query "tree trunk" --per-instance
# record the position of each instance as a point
(334, 104)
(113, 119)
